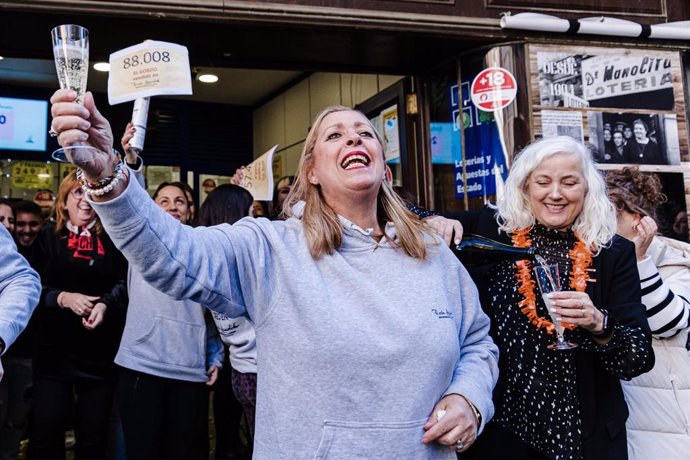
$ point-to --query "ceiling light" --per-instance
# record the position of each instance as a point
(102, 66)
(208, 78)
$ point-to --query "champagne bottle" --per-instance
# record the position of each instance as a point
(475, 250)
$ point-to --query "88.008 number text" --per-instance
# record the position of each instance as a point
(147, 58)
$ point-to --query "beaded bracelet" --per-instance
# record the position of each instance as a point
(105, 185)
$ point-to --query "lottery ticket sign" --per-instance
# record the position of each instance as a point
(493, 89)
(151, 68)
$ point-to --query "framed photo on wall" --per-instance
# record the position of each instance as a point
(634, 138)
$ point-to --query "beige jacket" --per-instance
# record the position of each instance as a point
(659, 401)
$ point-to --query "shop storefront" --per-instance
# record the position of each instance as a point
(424, 71)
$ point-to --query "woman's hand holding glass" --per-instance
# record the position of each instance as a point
(455, 426)
(75, 123)
(577, 308)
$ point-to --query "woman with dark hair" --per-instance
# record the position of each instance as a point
(641, 149)
(169, 354)
(78, 325)
(228, 204)
(191, 201)
(281, 190)
(659, 401)
(259, 209)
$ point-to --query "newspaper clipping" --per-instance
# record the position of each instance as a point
(562, 123)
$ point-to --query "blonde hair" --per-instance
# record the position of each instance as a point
(322, 227)
(596, 223)
(61, 214)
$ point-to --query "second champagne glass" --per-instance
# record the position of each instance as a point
(71, 52)
(549, 281)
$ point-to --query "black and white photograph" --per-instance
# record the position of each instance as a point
(638, 80)
(634, 138)
(560, 80)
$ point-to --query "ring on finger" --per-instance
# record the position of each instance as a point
(459, 445)
(52, 132)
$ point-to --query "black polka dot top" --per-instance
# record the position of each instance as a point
(537, 399)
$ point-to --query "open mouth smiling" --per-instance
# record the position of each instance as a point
(355, 160)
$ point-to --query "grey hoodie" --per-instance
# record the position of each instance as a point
(353, 349)
(173, 339)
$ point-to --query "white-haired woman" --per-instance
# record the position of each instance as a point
(560, 403)
(370, 339)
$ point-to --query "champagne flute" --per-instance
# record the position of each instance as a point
(549, 281)
(71, 52)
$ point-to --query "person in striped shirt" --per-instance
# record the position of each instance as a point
(659, 401)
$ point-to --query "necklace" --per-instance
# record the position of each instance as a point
(581, 259)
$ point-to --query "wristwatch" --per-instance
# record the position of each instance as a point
(608, 326)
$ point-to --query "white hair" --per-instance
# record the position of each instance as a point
(596, 223)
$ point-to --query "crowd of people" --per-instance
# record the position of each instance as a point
(351, 328)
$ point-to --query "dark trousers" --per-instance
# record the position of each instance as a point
(161, 418)
(53, 400)
(15, 405)
(497, 443)
(227, 415)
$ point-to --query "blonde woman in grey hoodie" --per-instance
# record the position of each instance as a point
(371, 342)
